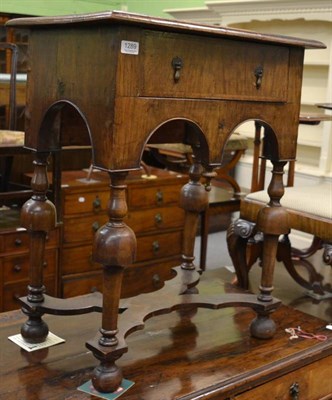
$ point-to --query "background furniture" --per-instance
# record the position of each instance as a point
(310, 211)
(178, 357)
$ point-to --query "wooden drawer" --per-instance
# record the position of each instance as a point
(16, 268)
(148, 277)
(78, 259)
(13, 291)
(208, 68)
(155, 219)
(313, 382)
(137, 279)
(78, 229)
(76, 285)
(19, 241)
(147, 196)
(86, 202)
(158, 246)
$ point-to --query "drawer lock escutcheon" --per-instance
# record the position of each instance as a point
(177, 65)
(294, 391)
(259, 76)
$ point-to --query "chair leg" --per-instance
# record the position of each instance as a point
(316, 288)
(238, 235)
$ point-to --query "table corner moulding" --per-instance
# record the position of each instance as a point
(127, 75)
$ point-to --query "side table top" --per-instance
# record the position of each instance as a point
(119, 17)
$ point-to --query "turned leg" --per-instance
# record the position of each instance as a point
(272, 221)
(114, 247)
(194, 200)
(38, 216)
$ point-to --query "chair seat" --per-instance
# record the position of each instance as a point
(310, 208)
(11, 138)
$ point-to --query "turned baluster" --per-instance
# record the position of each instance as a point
(272, 220)
(194, 200)
(114, 247)
(38, 216)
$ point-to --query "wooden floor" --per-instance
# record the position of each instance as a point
(286, 289)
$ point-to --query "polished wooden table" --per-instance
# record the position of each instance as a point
(177, 356)
(126, 76)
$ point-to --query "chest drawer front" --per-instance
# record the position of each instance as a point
(19, 241)
(152, 219)
(157, 246)
(137, 279)
(13, 292)
(86, 202)
(213, 68)
(77, 260)
(17, 268)
(156, 196)
(82, 228)
(84, 284)
(310, 382)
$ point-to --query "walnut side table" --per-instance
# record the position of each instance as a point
(126, 76)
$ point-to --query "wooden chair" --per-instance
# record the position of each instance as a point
(310, 211)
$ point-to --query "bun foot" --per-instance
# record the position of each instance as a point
(262, 327)
(107, 377)
(34, 330)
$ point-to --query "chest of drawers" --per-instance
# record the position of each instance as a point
(153, 214)
(14, 265)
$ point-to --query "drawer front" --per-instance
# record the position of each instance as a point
(77, 260)
(82, 228)
(157, 246)
(148, 277)
(155, 219)
(13, 291)
(86, 202)
(310, 382)
(145, 197)
(212, 68)
(82, 284)
(17, 268)
(137, 279)
(19, 241)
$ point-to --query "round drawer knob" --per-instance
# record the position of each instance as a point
(96, 204)
(155, 246)
(159, 197)
(17, 268)
(158, 218)
(95, 226)
(18, 242)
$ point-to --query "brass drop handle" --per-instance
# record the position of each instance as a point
(294, 391)
(177, 65)
(158, 218)
(259, 76)
(96, 204)
(155, 246)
